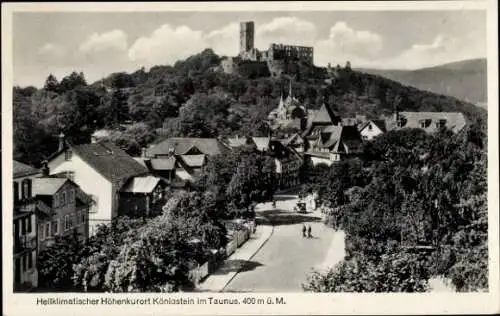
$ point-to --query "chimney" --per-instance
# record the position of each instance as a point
(61, 142)
(45, 168)
(171, 151)
(144, 152)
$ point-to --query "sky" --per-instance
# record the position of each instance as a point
(100, 43)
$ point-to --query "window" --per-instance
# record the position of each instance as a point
(28, 225)
(63, 198)
(56, 200)
(16, 191)
(26, 188)
(82, 217)
(67, 155)
(365, 137)
(30, 260)
(370, 127)
(42, 232)
(47, 230)
(68, 222)
(55, 227)
(94, 207)
(24, 263)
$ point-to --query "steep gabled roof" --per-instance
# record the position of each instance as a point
(22, 170)
(379, 123)
(338, 137)
(110, 161)
(182, 145)
(325, 115)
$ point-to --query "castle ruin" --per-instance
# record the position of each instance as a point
(275, 52)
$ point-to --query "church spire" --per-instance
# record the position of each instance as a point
(281, 105)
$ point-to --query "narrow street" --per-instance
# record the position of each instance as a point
(284, 261)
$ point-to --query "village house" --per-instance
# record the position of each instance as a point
(288, 161)
(372, 129)
(180, 159)
(334, 143)
(24, 228)
(142, 196)
(429, 121)
(294, 141)
(63, 209)
(101, 169)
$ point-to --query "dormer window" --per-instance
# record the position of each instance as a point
(26, 188)
(424, 123)
(441, 123)
(67, 155)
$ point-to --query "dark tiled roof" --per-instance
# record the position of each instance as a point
(21, 170)
(110, 161)
(333, 137)
(182, 145)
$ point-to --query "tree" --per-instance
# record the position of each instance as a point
(51, 84)
(55, 263)
(254, 181)
(395, 272)
(73, 81)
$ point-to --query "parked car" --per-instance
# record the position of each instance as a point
(301, 207)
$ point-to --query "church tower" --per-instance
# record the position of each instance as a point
(246, 36)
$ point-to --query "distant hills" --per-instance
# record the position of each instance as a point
(465, 80)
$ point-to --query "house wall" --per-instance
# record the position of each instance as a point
(24, 253)
(25, 242)
(319, 160)
(66, 218)
(367, 134)
(93, 184)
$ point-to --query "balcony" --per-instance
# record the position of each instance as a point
(25, 243)
(26, 206)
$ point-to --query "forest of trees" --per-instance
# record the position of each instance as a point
(193, 98)
(413, 208)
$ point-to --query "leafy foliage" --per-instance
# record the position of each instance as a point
(413, 191)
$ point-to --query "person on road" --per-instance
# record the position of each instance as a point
(304, 230)
(309, 232)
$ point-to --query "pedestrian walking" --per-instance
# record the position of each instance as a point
(309, 232)
(304, 230)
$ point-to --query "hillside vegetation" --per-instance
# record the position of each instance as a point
(465, 80)
(194, 98)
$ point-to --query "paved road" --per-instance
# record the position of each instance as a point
(282, 264)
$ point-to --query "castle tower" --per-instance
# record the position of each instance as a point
(246, 36)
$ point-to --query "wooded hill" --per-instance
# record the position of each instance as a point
(194, 97)
(465, 80)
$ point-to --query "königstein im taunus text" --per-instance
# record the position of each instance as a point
(158, 301)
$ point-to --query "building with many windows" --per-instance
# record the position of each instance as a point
(101, 169)
(24, 228)
(64, 209)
